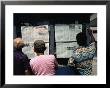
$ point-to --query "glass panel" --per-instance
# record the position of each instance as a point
(67, 32)
(64, 50)
(32, 33)
(65, 36)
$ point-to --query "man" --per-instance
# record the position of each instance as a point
(21, 62)
(42, 64)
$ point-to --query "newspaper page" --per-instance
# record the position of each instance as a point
(65, 37)
(32, 33)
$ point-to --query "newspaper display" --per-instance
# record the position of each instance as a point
(32, 33)
(63, 51)
(65, 36)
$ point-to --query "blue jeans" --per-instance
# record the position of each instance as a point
(66, 70)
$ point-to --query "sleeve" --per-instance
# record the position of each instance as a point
(77, 56)
(55, 62)
(31, 66)
(87, 53)
(92, 50)
(30, 63)
(26, 62)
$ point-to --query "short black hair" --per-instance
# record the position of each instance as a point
(39, 46)
(81, 39)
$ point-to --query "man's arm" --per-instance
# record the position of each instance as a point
(28, 70)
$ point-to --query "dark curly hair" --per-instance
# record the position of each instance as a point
(81, 39)
(39, 46)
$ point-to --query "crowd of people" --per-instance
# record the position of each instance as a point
(80, 62)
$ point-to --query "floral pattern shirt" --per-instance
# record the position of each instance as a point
(83, 57)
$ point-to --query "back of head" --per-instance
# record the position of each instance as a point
(39, 46)
(18, 43)
(81, 39)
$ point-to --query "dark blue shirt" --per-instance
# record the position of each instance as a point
(21, 62)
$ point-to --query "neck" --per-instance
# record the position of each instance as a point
(38, 54)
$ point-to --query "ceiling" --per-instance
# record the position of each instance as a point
(35, 18)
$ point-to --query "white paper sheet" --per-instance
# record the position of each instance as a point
(65, 36)
(32, 33)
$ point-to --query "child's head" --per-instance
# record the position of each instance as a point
(39, 46)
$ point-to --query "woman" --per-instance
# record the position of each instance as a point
(83, 55)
